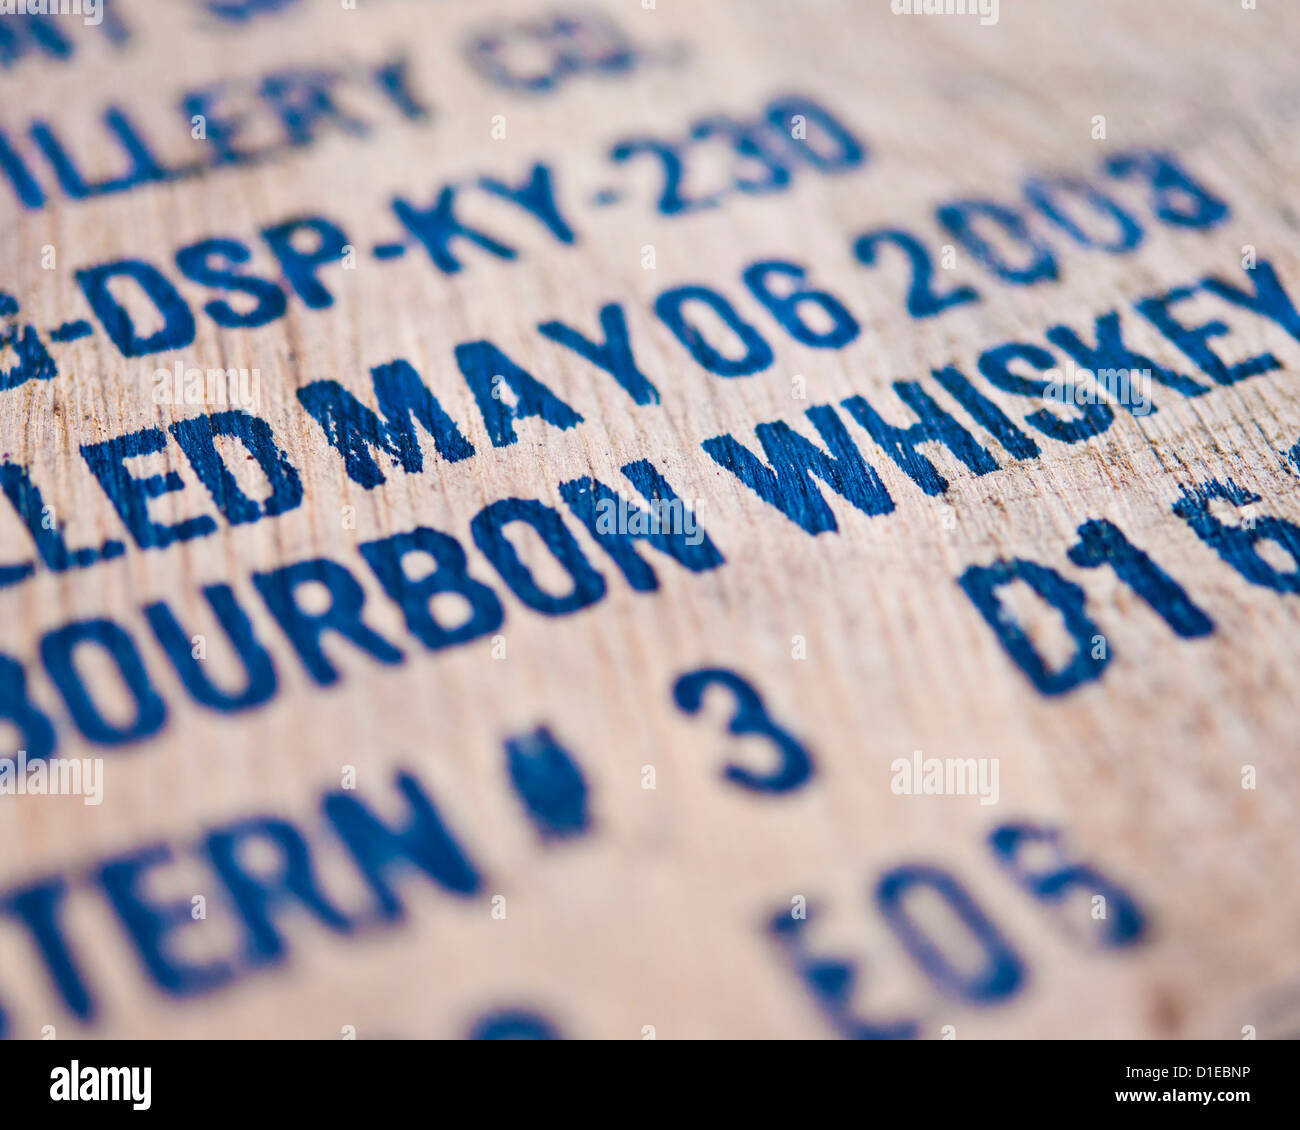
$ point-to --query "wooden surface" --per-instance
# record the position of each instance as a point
(658, 915)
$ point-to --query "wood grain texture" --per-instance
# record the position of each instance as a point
(658, 916)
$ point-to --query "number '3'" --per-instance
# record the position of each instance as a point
(750, 716)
